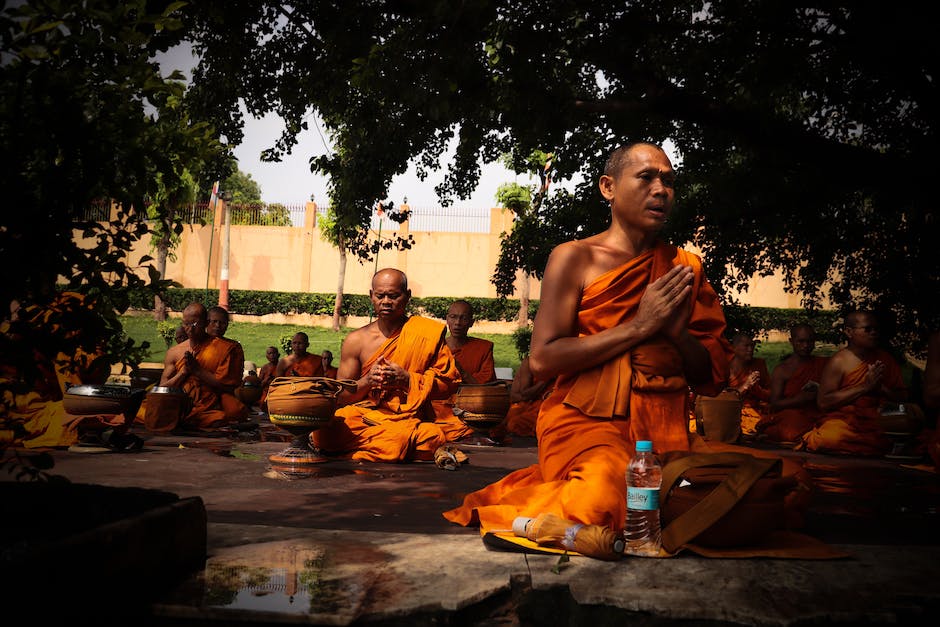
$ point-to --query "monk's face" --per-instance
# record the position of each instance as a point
(863, 332)
(327, 358)
(271, 354)
(389, 296)
(642, 194)
(744, 348)
(217, 324)
(459, 319)
(803, 342)
(194, 322)
(299, 344)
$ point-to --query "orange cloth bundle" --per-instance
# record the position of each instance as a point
(554, 531)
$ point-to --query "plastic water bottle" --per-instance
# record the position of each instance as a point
(644, 476)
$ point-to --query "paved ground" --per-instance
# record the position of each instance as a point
(366, 543)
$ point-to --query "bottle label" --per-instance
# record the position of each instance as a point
(642, 498)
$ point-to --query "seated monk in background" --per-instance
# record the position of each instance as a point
(856, 383)
(750, 379)
(474, 358)
(632, 323)
(329, 370)
(208, 369)
(793, 387)
(300, 363)
(401, 364)
(526, 395)
(268, 372)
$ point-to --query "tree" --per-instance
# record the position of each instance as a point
(244, 189)
(79, 102)
(793, 128)
(331, 232)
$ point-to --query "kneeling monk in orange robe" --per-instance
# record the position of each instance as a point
(793, 387)
(208, 369)
(856, 382)
(474, 358)
(633, 323)
(401, 364)
(750, 379)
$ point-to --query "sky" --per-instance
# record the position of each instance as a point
(290, 180)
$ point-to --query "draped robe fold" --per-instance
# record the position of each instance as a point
(309, 365)
(400, 427)
(475, 364)
(854, 427)
(789, 425)
(588, 425)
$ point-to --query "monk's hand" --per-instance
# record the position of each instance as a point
(661, 305)
(874, 375)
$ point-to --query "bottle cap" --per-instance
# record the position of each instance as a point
(644, 446)
(519, 524)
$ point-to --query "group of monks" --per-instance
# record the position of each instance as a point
(629, 325)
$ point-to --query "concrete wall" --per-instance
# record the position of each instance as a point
(297, 259)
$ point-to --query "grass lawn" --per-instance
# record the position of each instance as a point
(255, 337)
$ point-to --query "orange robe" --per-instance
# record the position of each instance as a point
(789, 425)
(225, 359)
(523, 416)
(756, 397)
(854, 428)
(398, 428)
(587, 428)
(475, 365)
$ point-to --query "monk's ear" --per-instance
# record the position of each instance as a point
(606, 185)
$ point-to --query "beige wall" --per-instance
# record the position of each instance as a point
(297, 259)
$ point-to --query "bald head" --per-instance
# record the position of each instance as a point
(386, 275)
(390, 296)
(621, 157)
(194, 321)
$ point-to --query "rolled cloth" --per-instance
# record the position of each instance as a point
(554, 531)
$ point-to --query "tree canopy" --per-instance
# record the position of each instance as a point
(800, 128)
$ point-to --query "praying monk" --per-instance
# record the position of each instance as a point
(401, 364)
(474, 357)
(633, 323)
(300, 362)
(526, 396)
(855, 383)
(793, 387)
(750, 380)
(208, 369)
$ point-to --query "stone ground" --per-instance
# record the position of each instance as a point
(366, 544)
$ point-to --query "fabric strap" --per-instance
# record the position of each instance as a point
(747, 470)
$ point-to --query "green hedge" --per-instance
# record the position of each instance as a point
(257, 303)
(756, 321)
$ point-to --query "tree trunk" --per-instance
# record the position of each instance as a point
(338, 303)
(163, 248)
(523, 316)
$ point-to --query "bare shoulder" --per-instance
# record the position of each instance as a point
(175, 353)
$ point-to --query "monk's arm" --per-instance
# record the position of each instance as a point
(696, 361)
(209, 378)
(556, 347)
(172, 377)
(350, 367)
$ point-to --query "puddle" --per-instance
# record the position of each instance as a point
(294, 577)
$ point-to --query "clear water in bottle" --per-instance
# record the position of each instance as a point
(642, 531)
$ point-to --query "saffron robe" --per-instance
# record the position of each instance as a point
(789, 425)
(754, 400)
(475, 365)
(854, 427)
(399, 427)
(212, 409)
(309, 365)
(588, 426)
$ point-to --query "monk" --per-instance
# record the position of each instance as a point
(793, 387)
(632, 323)
(401, 364)
(855, 384)
(218, 320)
(750, 379)
(300, 363)
(526, 396)
(329, 370)
(475, 363)
(208, 369)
